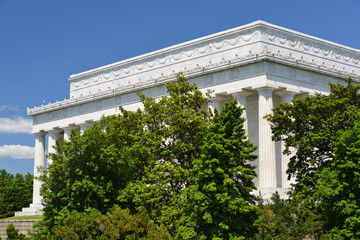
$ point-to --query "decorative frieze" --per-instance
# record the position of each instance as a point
(264, 55)
(243, 42)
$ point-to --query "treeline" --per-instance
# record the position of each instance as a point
(175, 170)
(15, 192)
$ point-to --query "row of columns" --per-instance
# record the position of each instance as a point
(60, 134)
(267, 154)
(267, 150)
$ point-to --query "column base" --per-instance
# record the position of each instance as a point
(266, 193)
(34, 209)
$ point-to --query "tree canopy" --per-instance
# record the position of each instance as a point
(220, 204)
(309, 125)
(158, 160)
(323, 130)
(15, 192)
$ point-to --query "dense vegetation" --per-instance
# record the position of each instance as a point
(15, 192)
(177, 171)
(181, 167)
(324, 130)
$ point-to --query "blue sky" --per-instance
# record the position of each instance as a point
(43, 42)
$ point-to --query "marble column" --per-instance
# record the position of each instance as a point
(216, 103)
(53, 136)
(267, 157)
(84, 126)
(67, 132)
(241, 98)
(39, 165)
(286, 97)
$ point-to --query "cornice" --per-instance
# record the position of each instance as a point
(236, 61)
(324, 49)
(169, 50)
(297, 49)
(133, 66)
(256, 32)
(177, 52)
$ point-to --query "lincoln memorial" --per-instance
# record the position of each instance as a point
(258, 64)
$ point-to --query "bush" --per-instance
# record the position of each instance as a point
(117, 224)
(13, 233)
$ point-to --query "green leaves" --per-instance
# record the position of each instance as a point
(338, 186)
(116, 224)
(324, 131)
(220, 203)
(310, 125)
(15, 192)
(188, 171)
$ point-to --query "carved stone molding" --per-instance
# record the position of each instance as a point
(277, 45)
(234, 38)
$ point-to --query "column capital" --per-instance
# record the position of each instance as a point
(242, 93)
(55, 130)
(86, 124)
(265, 86)
(69, 126)
(39, 133)
(217, 97)
(67, 130)
(287, 91)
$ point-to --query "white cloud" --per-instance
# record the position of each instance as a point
(15, 125)
(16, 151)
(8, 108)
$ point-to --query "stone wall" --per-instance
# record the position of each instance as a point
(22, 225)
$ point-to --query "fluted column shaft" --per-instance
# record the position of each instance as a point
(285, 159)
(267, 157)
(53, 136)
(241, 98)
(39, 163)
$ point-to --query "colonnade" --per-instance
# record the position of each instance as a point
(60, 134)
(266, 155)
(267, 167)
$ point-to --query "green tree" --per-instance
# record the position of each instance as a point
(220, 204)
(116, 224)
(91, 170)
(13, 233)
(338, 186)
(135, 160)
(5, 177)
(309, 125)
(289, 219)
(176, 126)
(146, 160)
(314, 126)
(15, 192)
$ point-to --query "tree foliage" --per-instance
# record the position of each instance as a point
(324, 130)
(13, 233)
(339, 185)
(309, 125)
(91, 169)
(151, 159)
(116, 224)
(219, 204)
(293, 219)
(15, 192)
(176, 126)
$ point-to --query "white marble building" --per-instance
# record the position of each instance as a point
(259, 64)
